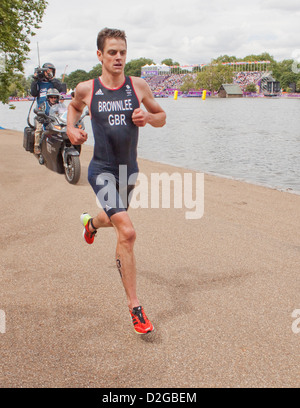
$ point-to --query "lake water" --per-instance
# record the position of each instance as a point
(251, 139)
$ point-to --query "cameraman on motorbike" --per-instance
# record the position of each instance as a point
(43, 80)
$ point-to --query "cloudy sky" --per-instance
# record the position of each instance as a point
(188, 31)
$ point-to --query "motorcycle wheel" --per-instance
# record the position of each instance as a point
(72, 171)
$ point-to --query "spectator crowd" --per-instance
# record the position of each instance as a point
(246, 78)
(165, 85)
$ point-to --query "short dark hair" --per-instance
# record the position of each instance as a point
(109, 33)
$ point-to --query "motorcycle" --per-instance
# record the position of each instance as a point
(57, 152)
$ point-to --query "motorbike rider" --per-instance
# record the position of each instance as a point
(60, 156)
(43, 80)
(51, 106)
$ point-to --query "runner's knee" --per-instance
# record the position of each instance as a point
(127, 235)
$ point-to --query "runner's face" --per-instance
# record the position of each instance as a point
(113, 57)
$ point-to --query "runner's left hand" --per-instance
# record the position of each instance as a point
(140, 118)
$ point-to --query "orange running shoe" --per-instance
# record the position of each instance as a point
(141, 323)
(87, 235)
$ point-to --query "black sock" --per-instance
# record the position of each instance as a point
(91, 221)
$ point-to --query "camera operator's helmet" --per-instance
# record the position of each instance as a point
(53, 93)
(48, 65)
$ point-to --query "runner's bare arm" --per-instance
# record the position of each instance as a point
(154, 115)
(75, 108)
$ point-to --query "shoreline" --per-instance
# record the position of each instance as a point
(189, 95)
(283, 190)
(221, 290)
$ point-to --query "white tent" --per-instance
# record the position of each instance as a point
(155, 69)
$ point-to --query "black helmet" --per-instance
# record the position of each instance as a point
(48, 65)
(53, 92)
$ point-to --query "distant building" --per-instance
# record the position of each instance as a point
(269, 86)
(153, 70)
(230, 91)
(292, 86)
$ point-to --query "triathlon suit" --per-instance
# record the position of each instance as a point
(113, 169)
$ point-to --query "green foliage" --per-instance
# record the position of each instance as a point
(287, 78)
(133, 67)
(251, 88)
(224, 58)
(282, 72)
(95, 72)
(265, 56)
(18, 20)
(213, 77)
(170, 62)
(72, 80)
(80, 75)
(189, 83)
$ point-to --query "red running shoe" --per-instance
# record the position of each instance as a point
(141, 323)
(87, 235)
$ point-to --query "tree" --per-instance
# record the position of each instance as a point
(18, 20)
(95, 72)
(224, 58)
(80, 75)
(170, 62)
(265, 56)
(213, 77)
(20, 86)
(73, 79)
(282, 72)
(189, 83)
(251, 88)
(288, 78)
(133, 67)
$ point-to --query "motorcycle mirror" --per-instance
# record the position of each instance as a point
(52, 118)
(42, 114)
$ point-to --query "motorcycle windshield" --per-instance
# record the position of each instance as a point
(60, 111)
(64, 116)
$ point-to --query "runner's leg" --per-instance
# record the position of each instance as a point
(125, 258)
(100, 221)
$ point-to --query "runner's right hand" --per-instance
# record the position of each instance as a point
(77, 136)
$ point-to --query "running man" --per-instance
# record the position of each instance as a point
(114, 103)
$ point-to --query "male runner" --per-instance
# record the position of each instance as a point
(114, 103)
